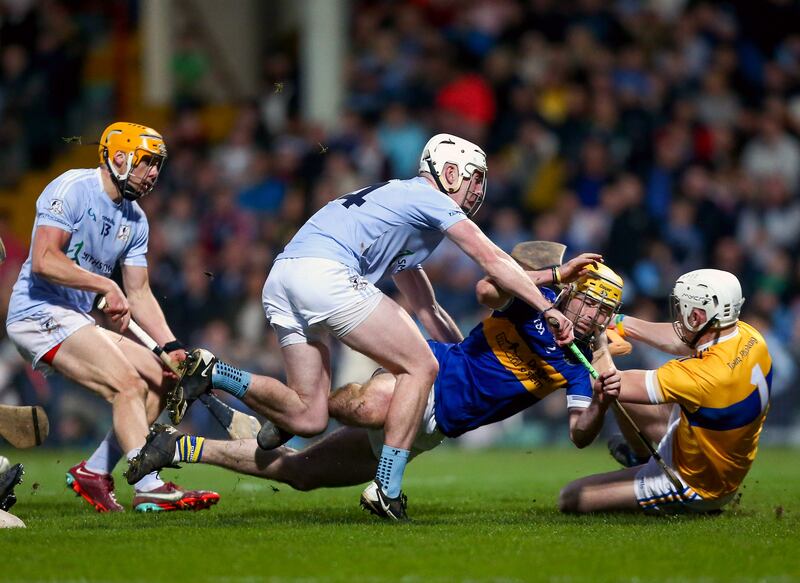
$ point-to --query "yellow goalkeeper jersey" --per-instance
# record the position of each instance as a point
(723, 392)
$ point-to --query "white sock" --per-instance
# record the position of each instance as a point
(149, 482)
(106, 456)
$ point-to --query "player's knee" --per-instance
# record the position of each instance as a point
(130, 386)
(310, 425)
(427, 367)
(569, 498)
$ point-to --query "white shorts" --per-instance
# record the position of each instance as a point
(305, 296)
(428, 434)
(37, 334)
(657, 495)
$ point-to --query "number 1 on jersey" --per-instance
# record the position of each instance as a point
(758, 379)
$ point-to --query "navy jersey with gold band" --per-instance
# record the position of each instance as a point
(507, 363)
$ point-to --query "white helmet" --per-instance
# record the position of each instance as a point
(447, 148)
(715, 292)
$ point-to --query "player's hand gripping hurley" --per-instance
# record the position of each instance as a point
(668, 471)
(237, 424)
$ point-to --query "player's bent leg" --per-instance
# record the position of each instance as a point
(343, 458)
(148, 366)
(300, 406)
(612, 491)
(390, 337)
(91, 359)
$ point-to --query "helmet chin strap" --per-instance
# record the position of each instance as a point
(701, 331)
(436, 177)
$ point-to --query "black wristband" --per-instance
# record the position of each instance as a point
(173, 345)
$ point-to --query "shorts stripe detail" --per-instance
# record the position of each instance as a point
(686, 495)
(48, 356)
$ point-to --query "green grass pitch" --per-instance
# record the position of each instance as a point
(477, 516)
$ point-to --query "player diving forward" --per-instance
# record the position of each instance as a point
(323, 281)
(507, 363)
(87, 220)
(718, 395)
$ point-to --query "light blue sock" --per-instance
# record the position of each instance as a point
(230, 379)
(390, 469)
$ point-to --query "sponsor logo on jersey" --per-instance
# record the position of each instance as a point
(89, 259)
(401, 260)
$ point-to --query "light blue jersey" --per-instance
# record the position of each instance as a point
(381, 229)
(102, 233)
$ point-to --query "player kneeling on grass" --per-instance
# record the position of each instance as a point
(87, 220)
(507, 363)
(718, 396)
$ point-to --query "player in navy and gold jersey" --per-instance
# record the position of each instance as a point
(508, 362)
(718, 395)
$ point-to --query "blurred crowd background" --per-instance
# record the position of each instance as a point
(662, 133)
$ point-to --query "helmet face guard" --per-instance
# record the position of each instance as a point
(143, 148)
(599, 290)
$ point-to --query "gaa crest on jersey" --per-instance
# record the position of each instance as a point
(57, 207)
(124, 233)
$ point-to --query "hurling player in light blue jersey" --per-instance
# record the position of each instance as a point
(86, 222)
(506, 364)
(323, 282)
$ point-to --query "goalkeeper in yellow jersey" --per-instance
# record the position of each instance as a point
(718, 393)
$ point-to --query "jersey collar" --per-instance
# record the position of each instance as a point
(720, 340)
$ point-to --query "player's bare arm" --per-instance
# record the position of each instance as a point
(145, 308)
(498, 265)
(491, 295)
(633, 387)
(585, 424)
(659, 335)
(49, 261)
(417, 289)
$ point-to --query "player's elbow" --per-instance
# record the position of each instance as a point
(487, 293)
(580, 439)
(38, 264)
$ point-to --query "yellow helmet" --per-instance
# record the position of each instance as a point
(140, 144)
(602, 285)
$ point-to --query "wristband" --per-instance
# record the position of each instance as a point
(556, 273)
(547, 309)
(173, 345)
(618, 324)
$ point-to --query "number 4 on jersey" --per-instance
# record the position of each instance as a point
(357, 197)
